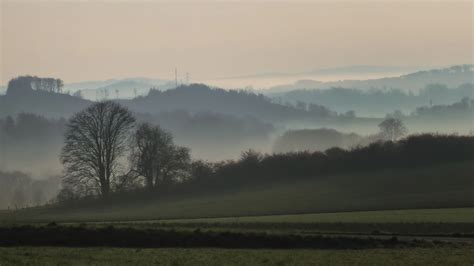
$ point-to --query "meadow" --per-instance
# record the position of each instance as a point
(211, 256)
(425, 187)
(405, 216)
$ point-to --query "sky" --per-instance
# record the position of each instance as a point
(83, 40)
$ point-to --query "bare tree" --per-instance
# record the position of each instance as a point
(156, 158)
(95, 140)
(392, 129)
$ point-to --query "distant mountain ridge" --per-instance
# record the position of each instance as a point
(357, 69)
(452, 77)
(282, 107)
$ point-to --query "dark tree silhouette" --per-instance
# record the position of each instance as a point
(25, 84)
(156, 158)
(95, 140)
(251, 156)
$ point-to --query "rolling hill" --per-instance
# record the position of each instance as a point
(452, 77)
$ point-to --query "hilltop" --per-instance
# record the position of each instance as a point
(199, 97)
(193, 98)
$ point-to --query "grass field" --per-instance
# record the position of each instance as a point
(120, 256)
(419, 221)
(442, 186)
(426, 202)
(448, 215)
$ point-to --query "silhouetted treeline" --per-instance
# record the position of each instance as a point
(413, 151)
(254, 169)
(24, 84)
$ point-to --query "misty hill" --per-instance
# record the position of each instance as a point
(42, 103)
(22, 96)
(199, 97)
(452, 77)
(457, 117)
(377, 102)
(213, 136)
(325, 73)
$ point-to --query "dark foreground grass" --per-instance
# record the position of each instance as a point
(440, 229)
(208, 256)
(82, 236)
(418, 216)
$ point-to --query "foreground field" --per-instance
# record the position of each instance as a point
(423, 224)
(446, 215)
(420, 222)
(123, 256)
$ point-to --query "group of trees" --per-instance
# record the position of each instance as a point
(96, 142)
(98, 138)
(255, 168)
(106, 150)
(155, 157)
(28, 83)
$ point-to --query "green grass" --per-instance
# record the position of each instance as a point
(442, 186)
(122, 256)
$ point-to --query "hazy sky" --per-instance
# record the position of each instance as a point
(86, 41)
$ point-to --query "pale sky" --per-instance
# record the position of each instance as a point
(79, 41)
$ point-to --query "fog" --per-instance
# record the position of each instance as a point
(270, 80)
(236, 132)
(218, 125)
